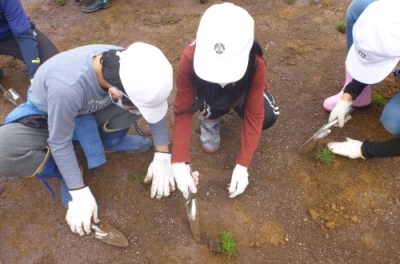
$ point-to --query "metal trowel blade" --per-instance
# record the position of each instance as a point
(109, 235)
(191, 209)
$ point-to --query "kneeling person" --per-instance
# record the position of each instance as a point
(92, 94)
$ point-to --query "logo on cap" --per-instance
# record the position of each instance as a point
(219, 48)
(362, 54)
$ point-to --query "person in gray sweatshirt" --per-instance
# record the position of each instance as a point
(109, 85)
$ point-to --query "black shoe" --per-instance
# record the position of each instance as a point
(96, 5)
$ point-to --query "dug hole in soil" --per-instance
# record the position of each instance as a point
(294, 210)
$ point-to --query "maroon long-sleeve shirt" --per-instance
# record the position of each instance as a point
(183, 123)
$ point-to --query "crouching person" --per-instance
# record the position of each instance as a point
(92, 95)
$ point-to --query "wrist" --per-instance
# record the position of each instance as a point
(78, 188)
(159, 151)
(361, 152)
(162, 149)
(346, 97)
(241, 168)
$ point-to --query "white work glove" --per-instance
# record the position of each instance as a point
(81, 210)
(161, 174)
(350, 148)
(185, 179)
(340, 111)
(239, 181)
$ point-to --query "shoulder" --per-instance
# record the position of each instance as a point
(260, 62)
(188, 52)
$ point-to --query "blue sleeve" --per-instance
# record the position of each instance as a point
(21, 27)
(13, 12)
(29, 49)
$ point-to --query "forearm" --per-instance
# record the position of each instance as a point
(354, 88)
(160, 133)
(29, 49)
(69, 168)
(389, 148)
(181, 137)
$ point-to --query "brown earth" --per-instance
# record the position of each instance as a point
(295, 209)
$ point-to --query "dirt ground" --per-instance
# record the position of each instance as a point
(295, 209)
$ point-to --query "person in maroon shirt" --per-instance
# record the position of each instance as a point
(222, 69)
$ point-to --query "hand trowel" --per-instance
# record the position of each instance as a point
(325, 129)
(109, 235)
(10, 94)
(191, 209)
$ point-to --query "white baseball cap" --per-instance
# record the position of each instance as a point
(224, 39)
(146, 75)
(376, 47)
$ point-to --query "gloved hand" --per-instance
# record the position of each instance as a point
(161, 174)
(239, 181)
(185, 179)
(81, 210)
(350, 148)
(339, 112)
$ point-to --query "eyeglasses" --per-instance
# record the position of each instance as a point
(123, 102)
(115, 100)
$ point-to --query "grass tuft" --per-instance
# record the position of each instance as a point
(341, 26)
(378, 100)
(139, 178)
(228, 243)
(325, 156)
(96, 42)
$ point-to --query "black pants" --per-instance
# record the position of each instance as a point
(47, 49)
(219, 108)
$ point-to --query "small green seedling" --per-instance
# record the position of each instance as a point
(325, 155)
(96, 42)
(341, 26)
(61, 2)
(378, 100)
(139, 178)
(228, 243)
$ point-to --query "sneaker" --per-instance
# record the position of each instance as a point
(95, 5)
(209, 134)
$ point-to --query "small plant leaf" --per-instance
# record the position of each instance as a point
(228, 242)
(325, 156)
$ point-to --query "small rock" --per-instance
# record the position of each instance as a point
(313, 215)
(215, 245)
(330, 225)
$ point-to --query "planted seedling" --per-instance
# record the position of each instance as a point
(224, 244)
(61, 2)
(96, 42)
(341, 26)
(139, 178)
(228, 243)
(378, 100)
(325, 156)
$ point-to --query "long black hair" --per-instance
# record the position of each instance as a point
(110, 71)
(207, 91)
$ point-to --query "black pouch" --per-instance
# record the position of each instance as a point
(34, 121)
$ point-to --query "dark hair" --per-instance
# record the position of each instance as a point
(110, 68)
(207, 91)
(110, 71)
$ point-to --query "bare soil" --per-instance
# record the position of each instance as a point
(295, 209)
